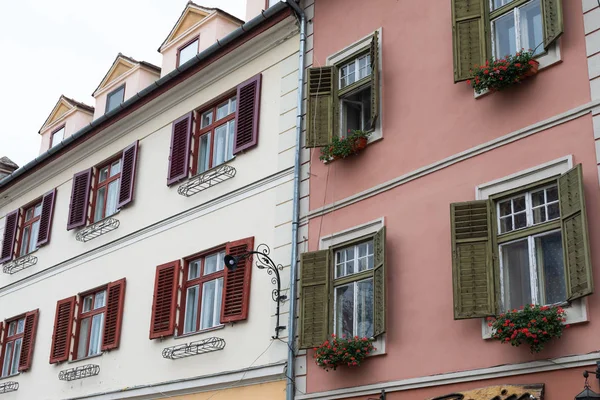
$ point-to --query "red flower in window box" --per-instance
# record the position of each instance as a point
(341, 351)
(353, 143)
(499, 74)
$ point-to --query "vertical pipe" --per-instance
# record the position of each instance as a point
(290, 388)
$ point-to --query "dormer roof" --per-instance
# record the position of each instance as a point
(63, 106)
(120, 66)
(191, 16)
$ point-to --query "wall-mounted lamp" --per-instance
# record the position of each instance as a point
(382, 395)
(588, 393)
(263, 261)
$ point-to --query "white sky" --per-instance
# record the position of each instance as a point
(49, 48)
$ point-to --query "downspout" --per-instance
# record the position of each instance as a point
(290, 388)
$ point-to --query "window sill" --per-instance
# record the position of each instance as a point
(206, 180)
(551, 57)
(10, 376)
(187, 335)
(379, 345)
(85, 358)
(372, 139)
(576, 314)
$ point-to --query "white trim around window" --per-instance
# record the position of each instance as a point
(577, 312)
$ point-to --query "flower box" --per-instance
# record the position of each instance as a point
(355, 142)
(500, 74)
(337, 352)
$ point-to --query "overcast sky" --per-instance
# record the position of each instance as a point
(49, 48)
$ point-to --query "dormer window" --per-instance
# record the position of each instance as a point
(115, 98)
(57, 136)
(188, 51)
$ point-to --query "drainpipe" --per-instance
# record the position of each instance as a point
(290, 389)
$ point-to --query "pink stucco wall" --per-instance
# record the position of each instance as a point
(426, 118)
(73, 122)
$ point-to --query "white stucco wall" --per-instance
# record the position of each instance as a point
(161, 226)
(74, 120)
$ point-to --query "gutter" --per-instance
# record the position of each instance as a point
(145, 93)
(290, 387)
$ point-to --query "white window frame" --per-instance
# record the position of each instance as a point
(355, 308)
(356, 47)
(528, 209)
(341, 237)
(517, 18)
(53, 135)
(577, 311)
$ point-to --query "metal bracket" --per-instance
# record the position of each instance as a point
(7, 387)
(97, 229)
(205, 180)
(19, 264)
(85, 371)
(194, 348)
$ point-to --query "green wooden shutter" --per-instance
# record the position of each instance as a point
(314, 298)
(576, 247)
(375, 79)
(379, 283)
(469, 36)
(472, 266)
(553, 21)
(319, 116)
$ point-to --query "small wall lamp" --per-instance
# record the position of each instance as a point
(588, 393)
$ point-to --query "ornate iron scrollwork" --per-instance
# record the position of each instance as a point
(97, 229)
(19, 264)
(85, 371)
(194, 348)
(7, 387)
(205, 180)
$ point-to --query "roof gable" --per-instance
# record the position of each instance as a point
(63, 106)
(120, 66)
(191, 15)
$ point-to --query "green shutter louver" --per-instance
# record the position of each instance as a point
(553, 21)
(472, 266)
(576, 247)
(375, 79)
(379, 283)
(320, 113)
(468, 36)
(314, 298)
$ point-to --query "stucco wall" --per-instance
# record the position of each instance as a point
(73, 120)
(162, 226)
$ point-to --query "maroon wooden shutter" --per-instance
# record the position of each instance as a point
(179, 158)
(164, 303)
(114, 315)
(2, 334)
(11, 221)
(80, 195)
(246, 114)
(31, 321)
(46, 218)
(128, 164)
(236, 286)
(61, 334)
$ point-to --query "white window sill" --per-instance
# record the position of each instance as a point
(379, 345)
(10, 376)
(85, 358)
(576, 313)
(187, 335)
(551, 57)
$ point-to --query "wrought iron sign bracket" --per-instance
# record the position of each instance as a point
(263, 261)
(19, 264)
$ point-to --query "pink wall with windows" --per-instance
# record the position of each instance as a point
(426, 119)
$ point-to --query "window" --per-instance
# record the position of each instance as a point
(512, 25)
(343, 288)
(526, 245)
(353, 300)
(344, 96)
(203, 292)
(516, 27)
(187, 51)
(30, 229)
(215, 138)
(57, 137)
(115, 98)
(106, 194)
(91, 324)
(13, 346)
(531, 259)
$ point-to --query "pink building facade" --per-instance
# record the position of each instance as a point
(437, 223)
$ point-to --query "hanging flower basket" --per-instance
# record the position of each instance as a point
(338, 352)
(533, 326)
(355, 142)
(497, 75)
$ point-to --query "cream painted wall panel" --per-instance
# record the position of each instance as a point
(595, 88)
(592, 43)
(591, 20)
(594, 66)
(589, 5)
(289, 82)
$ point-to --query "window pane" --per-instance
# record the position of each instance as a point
(531, 26)
(103, 174)
(16, 356)
(210, 264)
(96, 334)
(211, 303)
(206, 119)
(364, 66)
(12, 328)
(340, 260)
(188, 52)
(194, 270)
(505, 208)
(549, 258)
(25, 244)
(365, 256)
(552, 194)
(356, 110)
(204, 153)
(100, 300)
(553, 211)
(344, 310)
(233, 105)
(115, 168)
(99, 212)
(364, 308)
(505, 40)
(115, 99)
(21, 325)
(37, 210)
(191, 309)
(29, 214)
(87, 303)
(220, 145)
(347, 76)
(520, 220)
(505, 224)
(500, 3)
(223, 110)
(515, 272)
(57, 137)
(7, 357)
(537, 198)
(35, 230)
(519, 204)
(82, 344)
(230, 133)
(539, 215)
(112, 198)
